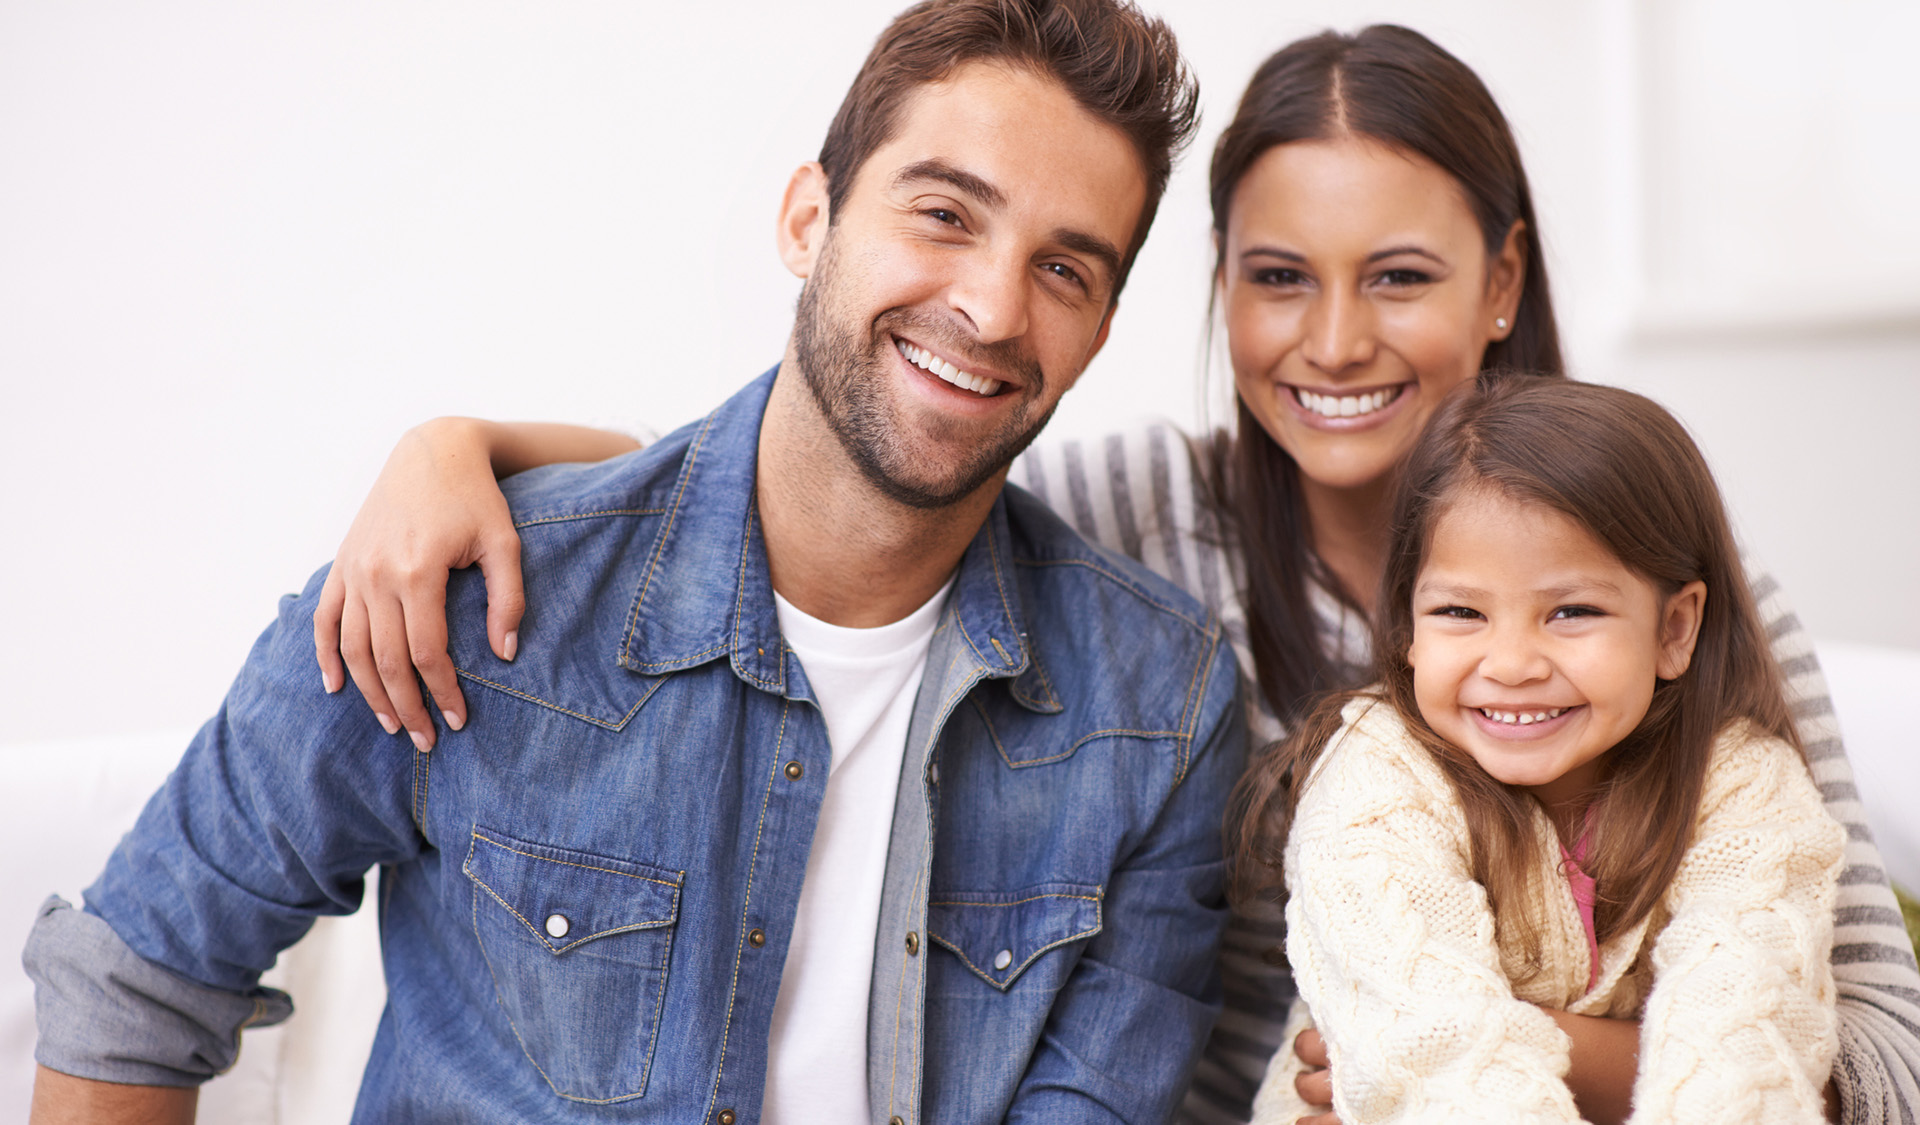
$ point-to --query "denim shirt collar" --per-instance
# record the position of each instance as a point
(705, 589)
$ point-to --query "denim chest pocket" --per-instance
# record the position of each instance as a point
(1000, 937)
(578, 945)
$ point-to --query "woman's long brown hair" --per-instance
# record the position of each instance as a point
(1397, 87)
(1622, 468)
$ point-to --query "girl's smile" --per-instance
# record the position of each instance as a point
(1535, 650)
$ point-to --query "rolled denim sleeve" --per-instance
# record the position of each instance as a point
(109, 1014)
(1124, 1033)
(273, 816)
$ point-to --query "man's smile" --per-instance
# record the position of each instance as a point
(927, 361)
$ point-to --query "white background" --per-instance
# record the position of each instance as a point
(244, 246)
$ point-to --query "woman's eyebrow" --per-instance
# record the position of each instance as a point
(1396, 251)
(1273, 252)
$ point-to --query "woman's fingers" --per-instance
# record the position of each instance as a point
(499, 559)
(1312, 1049)
(356, 648)
(393, 663)
(1315, 1086)
(326, 631)
(424, 611)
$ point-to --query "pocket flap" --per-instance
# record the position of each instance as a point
(566, 898)
(998, 935)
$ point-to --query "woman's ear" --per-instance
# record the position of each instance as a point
(803, 219)
(1506, 279)
(1679, 629)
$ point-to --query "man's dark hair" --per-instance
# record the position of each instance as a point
(1117, 63)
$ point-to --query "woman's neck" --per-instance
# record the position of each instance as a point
(1350, 534)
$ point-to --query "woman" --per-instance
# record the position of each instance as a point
(1377, 246)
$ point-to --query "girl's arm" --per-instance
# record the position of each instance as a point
(1740, 1024)
(435, 508)
(1392, 945)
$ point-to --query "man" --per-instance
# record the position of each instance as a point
(830, 782)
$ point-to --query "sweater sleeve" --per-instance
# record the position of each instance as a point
(1392, 945)
(1878, 1068)
(1740, 1024)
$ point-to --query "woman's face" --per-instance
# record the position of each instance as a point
(1358, 292)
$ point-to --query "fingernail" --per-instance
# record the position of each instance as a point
(420, 742)
(513, 644)
(454, 722)
(326, 681)
(387, 722)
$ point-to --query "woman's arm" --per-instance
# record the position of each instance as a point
(1877, 1075)
(435, 508)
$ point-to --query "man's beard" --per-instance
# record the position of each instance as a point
(847, 376)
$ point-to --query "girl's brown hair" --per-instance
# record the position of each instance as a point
(1397, 87)
(1623, 469)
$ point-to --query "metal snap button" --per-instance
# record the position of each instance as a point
(794, 770)
(913, 944)
(895, 1120)
(726, 1117)
(757, 938)
(1003, 958)
(557, 925)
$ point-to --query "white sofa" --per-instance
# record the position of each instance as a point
(70, 802)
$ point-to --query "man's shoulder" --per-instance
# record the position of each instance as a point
(1071, 569)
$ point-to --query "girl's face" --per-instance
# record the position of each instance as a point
(1358, 292)
(1534, 650)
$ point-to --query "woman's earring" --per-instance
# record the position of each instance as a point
(1500, 323)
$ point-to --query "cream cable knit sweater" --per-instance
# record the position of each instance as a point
(1394, 949)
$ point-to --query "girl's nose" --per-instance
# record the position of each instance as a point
(1512, 657)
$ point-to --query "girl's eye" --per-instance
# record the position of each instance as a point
(1457, 613)
(1566, 612)
(1404, 279)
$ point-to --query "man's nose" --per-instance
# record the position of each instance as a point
(991, 293)
(1339, 331)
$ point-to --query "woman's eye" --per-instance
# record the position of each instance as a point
(1404, 279)
(1279, 277)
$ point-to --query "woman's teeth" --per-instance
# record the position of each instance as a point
(1523, 718)
(927, 361)
(1345, 406)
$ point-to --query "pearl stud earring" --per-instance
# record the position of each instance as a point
(1500, 323)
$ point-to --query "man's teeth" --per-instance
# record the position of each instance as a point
(1345, 406)
(1523, 718)
(927, 361)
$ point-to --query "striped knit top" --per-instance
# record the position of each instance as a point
(1141, 494)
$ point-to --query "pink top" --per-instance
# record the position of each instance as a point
(1583, 889)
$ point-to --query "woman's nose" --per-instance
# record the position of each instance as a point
(1339, 332)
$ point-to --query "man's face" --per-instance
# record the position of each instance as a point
(966, 280)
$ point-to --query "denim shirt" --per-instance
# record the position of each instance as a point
(585, 895)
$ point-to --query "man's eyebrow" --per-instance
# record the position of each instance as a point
(1092, 246)
(940, 171)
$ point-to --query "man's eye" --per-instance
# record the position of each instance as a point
(1065, 272)
(944, 216)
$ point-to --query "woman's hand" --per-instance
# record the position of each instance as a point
(436, 507)
(1315, 1086)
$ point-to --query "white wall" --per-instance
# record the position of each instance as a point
(243, 246)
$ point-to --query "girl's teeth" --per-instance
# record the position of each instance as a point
(1345, 406)
(1523, 718)
(927, 361)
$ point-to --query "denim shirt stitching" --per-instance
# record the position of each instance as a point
(620, 724)
(779, 682)
(666, 532)
(1202, 625)
(899, 1007)
(1196, 693)
(536, 521)
(477, 839)
(1014, 973)
(746, 908)
(422, 773)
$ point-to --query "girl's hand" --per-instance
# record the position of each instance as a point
(1315, 1086)
(435, 507)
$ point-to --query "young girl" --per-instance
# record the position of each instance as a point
(1576, 786)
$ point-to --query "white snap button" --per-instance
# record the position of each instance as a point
(557, 925)
(1003, 958)
(933, 773)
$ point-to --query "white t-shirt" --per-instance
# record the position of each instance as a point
(865, 681)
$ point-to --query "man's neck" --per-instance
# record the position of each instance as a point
(838, 549)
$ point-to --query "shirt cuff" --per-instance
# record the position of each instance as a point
(108, 1014)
